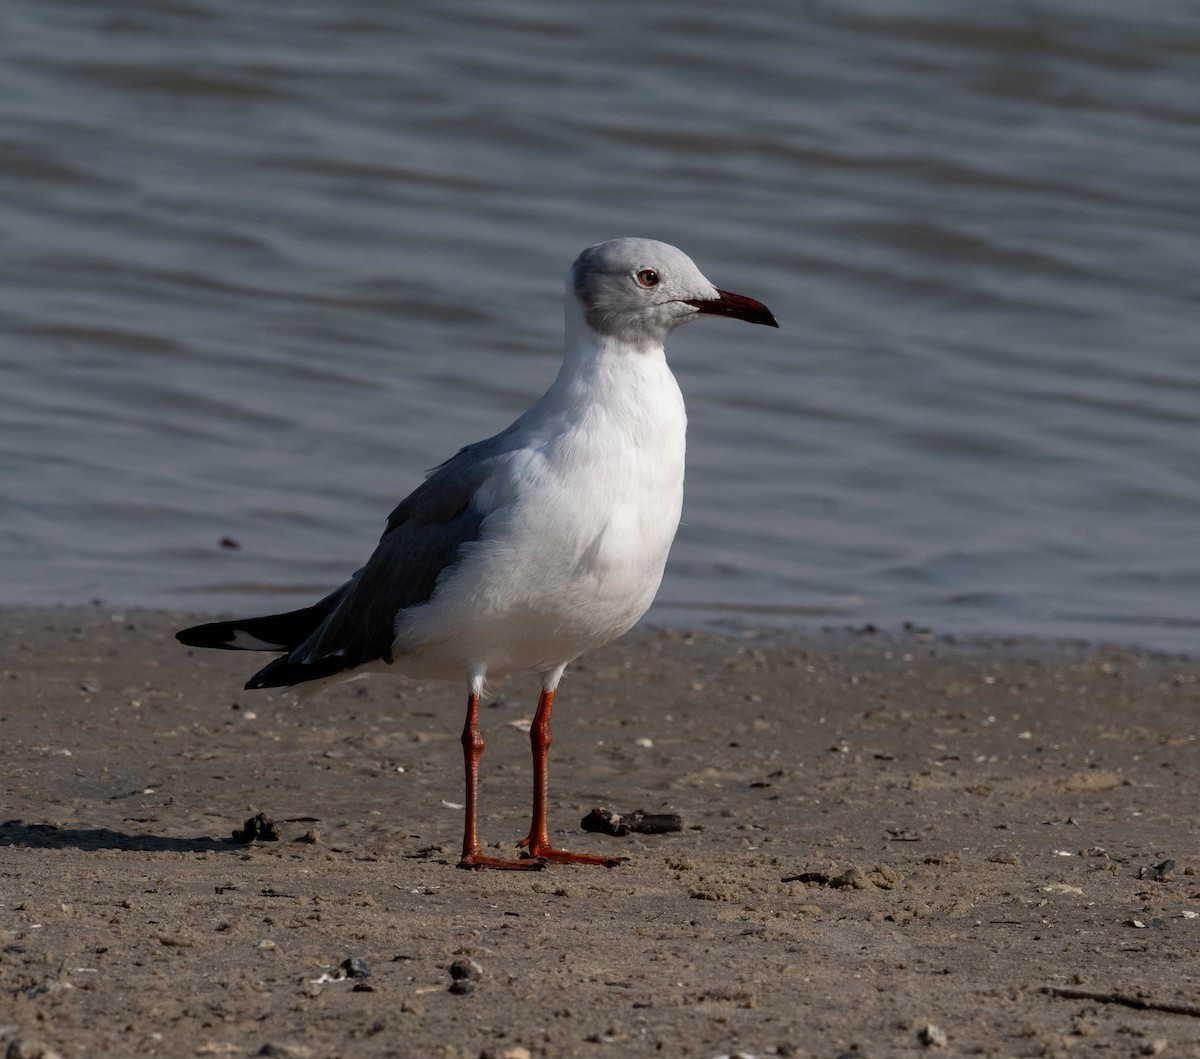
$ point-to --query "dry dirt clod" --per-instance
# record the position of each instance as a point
(259, 828)
(853, 878)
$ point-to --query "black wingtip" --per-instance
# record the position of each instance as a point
(283, 673)
(212, 634)
(271, 632)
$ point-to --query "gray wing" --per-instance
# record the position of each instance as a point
(424, 535)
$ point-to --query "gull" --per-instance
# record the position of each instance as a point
(532, 547)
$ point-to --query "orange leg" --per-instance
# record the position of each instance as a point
(537, 844)
(473, 855)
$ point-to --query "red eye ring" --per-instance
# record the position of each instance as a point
(647, 277)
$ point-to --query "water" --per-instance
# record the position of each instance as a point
(264, 263)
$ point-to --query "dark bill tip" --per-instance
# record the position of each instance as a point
(736, 305)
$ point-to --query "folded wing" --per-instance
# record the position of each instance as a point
(356, 624)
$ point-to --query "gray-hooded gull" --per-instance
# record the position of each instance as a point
(523, 551)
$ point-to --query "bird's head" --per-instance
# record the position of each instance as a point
(638, 291)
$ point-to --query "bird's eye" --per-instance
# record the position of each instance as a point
(647, 277)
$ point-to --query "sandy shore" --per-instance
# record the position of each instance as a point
(886, 844)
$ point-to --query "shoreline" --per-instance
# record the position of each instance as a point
(819, 631)
(879, 834)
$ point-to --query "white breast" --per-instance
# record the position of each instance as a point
(580, 523)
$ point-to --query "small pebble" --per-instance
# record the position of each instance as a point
(932, 1036)
(1157, 872)
(465, 972)
(285, 1050)
(465, 967)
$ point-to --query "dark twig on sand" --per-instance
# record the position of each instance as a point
(1138, 1002)
(606, 822)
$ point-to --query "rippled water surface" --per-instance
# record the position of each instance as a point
(264, 263)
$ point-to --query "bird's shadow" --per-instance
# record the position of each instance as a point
(17, 833)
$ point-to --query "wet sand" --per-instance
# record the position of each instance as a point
(890, 846)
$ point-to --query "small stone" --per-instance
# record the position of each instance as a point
(932, 1036)
(28, 1048)
(356, 968)
(285, 1050)
(1155, 1047)
(1157, 872)
(462, 986)
(464, 968)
